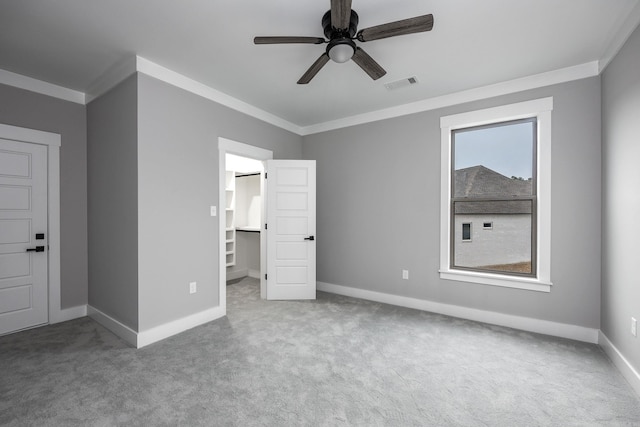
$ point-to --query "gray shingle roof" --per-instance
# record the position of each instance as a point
(480, 181)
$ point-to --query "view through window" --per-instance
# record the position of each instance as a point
(493, 198)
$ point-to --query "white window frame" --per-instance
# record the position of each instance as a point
(541, 109)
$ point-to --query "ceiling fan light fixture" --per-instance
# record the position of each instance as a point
(341, 50)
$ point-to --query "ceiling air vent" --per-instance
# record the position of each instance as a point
(401, 83)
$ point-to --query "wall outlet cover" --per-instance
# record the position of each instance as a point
(193, 287)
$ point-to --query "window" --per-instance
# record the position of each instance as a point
(466, 232)
(493, 173)
(496, 173)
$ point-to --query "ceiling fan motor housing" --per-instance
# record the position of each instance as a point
(341, 47)
(330, 32)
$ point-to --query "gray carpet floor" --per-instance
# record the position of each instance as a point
(331, 362)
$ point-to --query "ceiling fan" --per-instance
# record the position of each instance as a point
(341, 28)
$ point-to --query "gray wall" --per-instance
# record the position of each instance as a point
(112, 160)
(621, 204)
(31, 110)
(178, 181)
(378, 210)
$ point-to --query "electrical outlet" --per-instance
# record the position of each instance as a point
(405, 274)
(634, 327)
(193, 287)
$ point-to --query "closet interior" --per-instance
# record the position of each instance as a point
(243, 188)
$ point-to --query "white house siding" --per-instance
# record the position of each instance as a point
(508, 242)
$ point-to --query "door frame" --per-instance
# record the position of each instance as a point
(53, 142)
(228, 146)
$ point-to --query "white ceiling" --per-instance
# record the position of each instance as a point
(71, 43)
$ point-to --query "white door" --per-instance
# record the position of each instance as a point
(23, 228)
(291, 229)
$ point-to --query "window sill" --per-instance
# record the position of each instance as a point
(497, 280)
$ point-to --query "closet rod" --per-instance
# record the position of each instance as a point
(248, 174)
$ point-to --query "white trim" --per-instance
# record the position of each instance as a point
(628, 26)
(233, 147)
(562, 330)
(236, 274)
(496, 280)
(118, 328)
(577, 72)
(55, 302)
(168, 76)
(124, 69)
(53, 142)
(70, 314)
(110, 78)
(540, 108)
(174, 327)
(158, 333)
(38, 86)
(620, 362)
(30, 135)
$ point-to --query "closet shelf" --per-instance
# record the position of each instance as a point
(248, 229)
(230, 187)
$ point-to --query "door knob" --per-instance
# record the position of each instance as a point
(36, 249)
(310, 238)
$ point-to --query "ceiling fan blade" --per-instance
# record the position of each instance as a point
(340, 14)
(313, 70)
(367, 63)
(287, 39)
(397, 28)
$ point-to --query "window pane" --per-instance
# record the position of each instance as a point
(494, 161)
(507, 248)
(466, 231)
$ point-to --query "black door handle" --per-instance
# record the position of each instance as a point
(36, 249)
(310, 238)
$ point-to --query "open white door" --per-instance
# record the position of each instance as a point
(291, 229)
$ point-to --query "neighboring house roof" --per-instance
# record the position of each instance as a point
(480, 181)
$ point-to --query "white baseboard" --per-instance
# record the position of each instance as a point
(115, 326)
(68, 314)
(237, 274)
(574, 332)
(180, 325)
(620, 362)
(158, 333)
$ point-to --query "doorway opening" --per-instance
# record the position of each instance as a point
(243, 216)
(243, 245)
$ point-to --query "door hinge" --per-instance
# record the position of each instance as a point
(265, 277)
(265, 175)
(265, 226)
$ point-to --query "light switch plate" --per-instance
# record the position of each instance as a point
(214, 211)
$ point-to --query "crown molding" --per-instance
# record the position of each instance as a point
(111, 78)
(628, 26)
(133, 64)
(159, 72)
(38, 86)
(562, 75)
